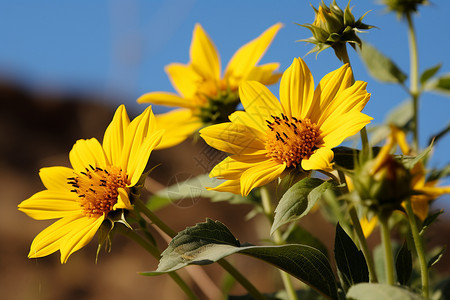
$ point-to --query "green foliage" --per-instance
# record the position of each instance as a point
(380, 66)
(298, 200)
(211, 241)
(436, 258)
(440, 84)
(403, 265)
(377, 291)
(430, 220)
(428, 73)
(349, 260)
(298, 235)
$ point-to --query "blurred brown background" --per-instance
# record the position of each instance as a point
(38, 130)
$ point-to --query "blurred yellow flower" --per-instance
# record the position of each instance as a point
(98, 183)
(296, 132)
(204, 96)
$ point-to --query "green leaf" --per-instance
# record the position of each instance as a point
(436, 257)
(377, 291)
(441, 84)
(379, 66)
(349, 260)
(345, 157)
(428, 73)
(437, 174)
(298, 235)
(403, 265)
(211, 241)
(298, 201)
(430, 220)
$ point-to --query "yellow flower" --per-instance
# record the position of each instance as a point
(98, 183)
(204, 96)
(297, 132)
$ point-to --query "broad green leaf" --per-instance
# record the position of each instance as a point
(377, 291)
(436, 257)
(298, 201)
(379, 66)
(298, 235)
(349, 260)
(403, 265)
(211, 241)
(428, 73)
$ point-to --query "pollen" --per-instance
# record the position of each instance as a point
(289, 140)
(97, 189)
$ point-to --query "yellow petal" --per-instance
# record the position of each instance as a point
(319, 160)
(420, 208)
(81, 232)
(184, 79)
(123, 201)
(230, 186)
(329, 87)
(138, 161)
(114, 136)
(55, 178)
(242, 62)
(335, 129)
(352, 99)
(85, 153)
(233, 166)
(168, 99)
(265, 74)
(297, 89)
(233, 138)
(178, 124)
(142, 126)
(204, 57)
(259, 102)
(260, 175)
(52, 204)
(368, 226)
(433, 191)
(48, 240)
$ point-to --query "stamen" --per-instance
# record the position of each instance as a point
(98, 190)
(289, 140)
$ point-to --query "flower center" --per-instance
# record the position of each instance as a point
(97, 189)
(289, 140)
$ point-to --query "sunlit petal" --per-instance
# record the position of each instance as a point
(114, 135)
(85, 153)
(55, 178)
(204, 57)
(259, 175)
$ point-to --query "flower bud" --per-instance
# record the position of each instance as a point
(333, 27)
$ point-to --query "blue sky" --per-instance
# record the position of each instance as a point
(119, 48)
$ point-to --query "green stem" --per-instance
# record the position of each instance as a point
(388, 255)
(154, 219)
(414, 79)
(268, 211)
(419, 248)
(227, 266)
(156, 254)
(360, 235)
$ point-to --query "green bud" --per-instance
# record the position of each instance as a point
(382, 183)
(333, 27)
(219, 108)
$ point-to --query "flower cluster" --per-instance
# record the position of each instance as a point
(284, 150)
